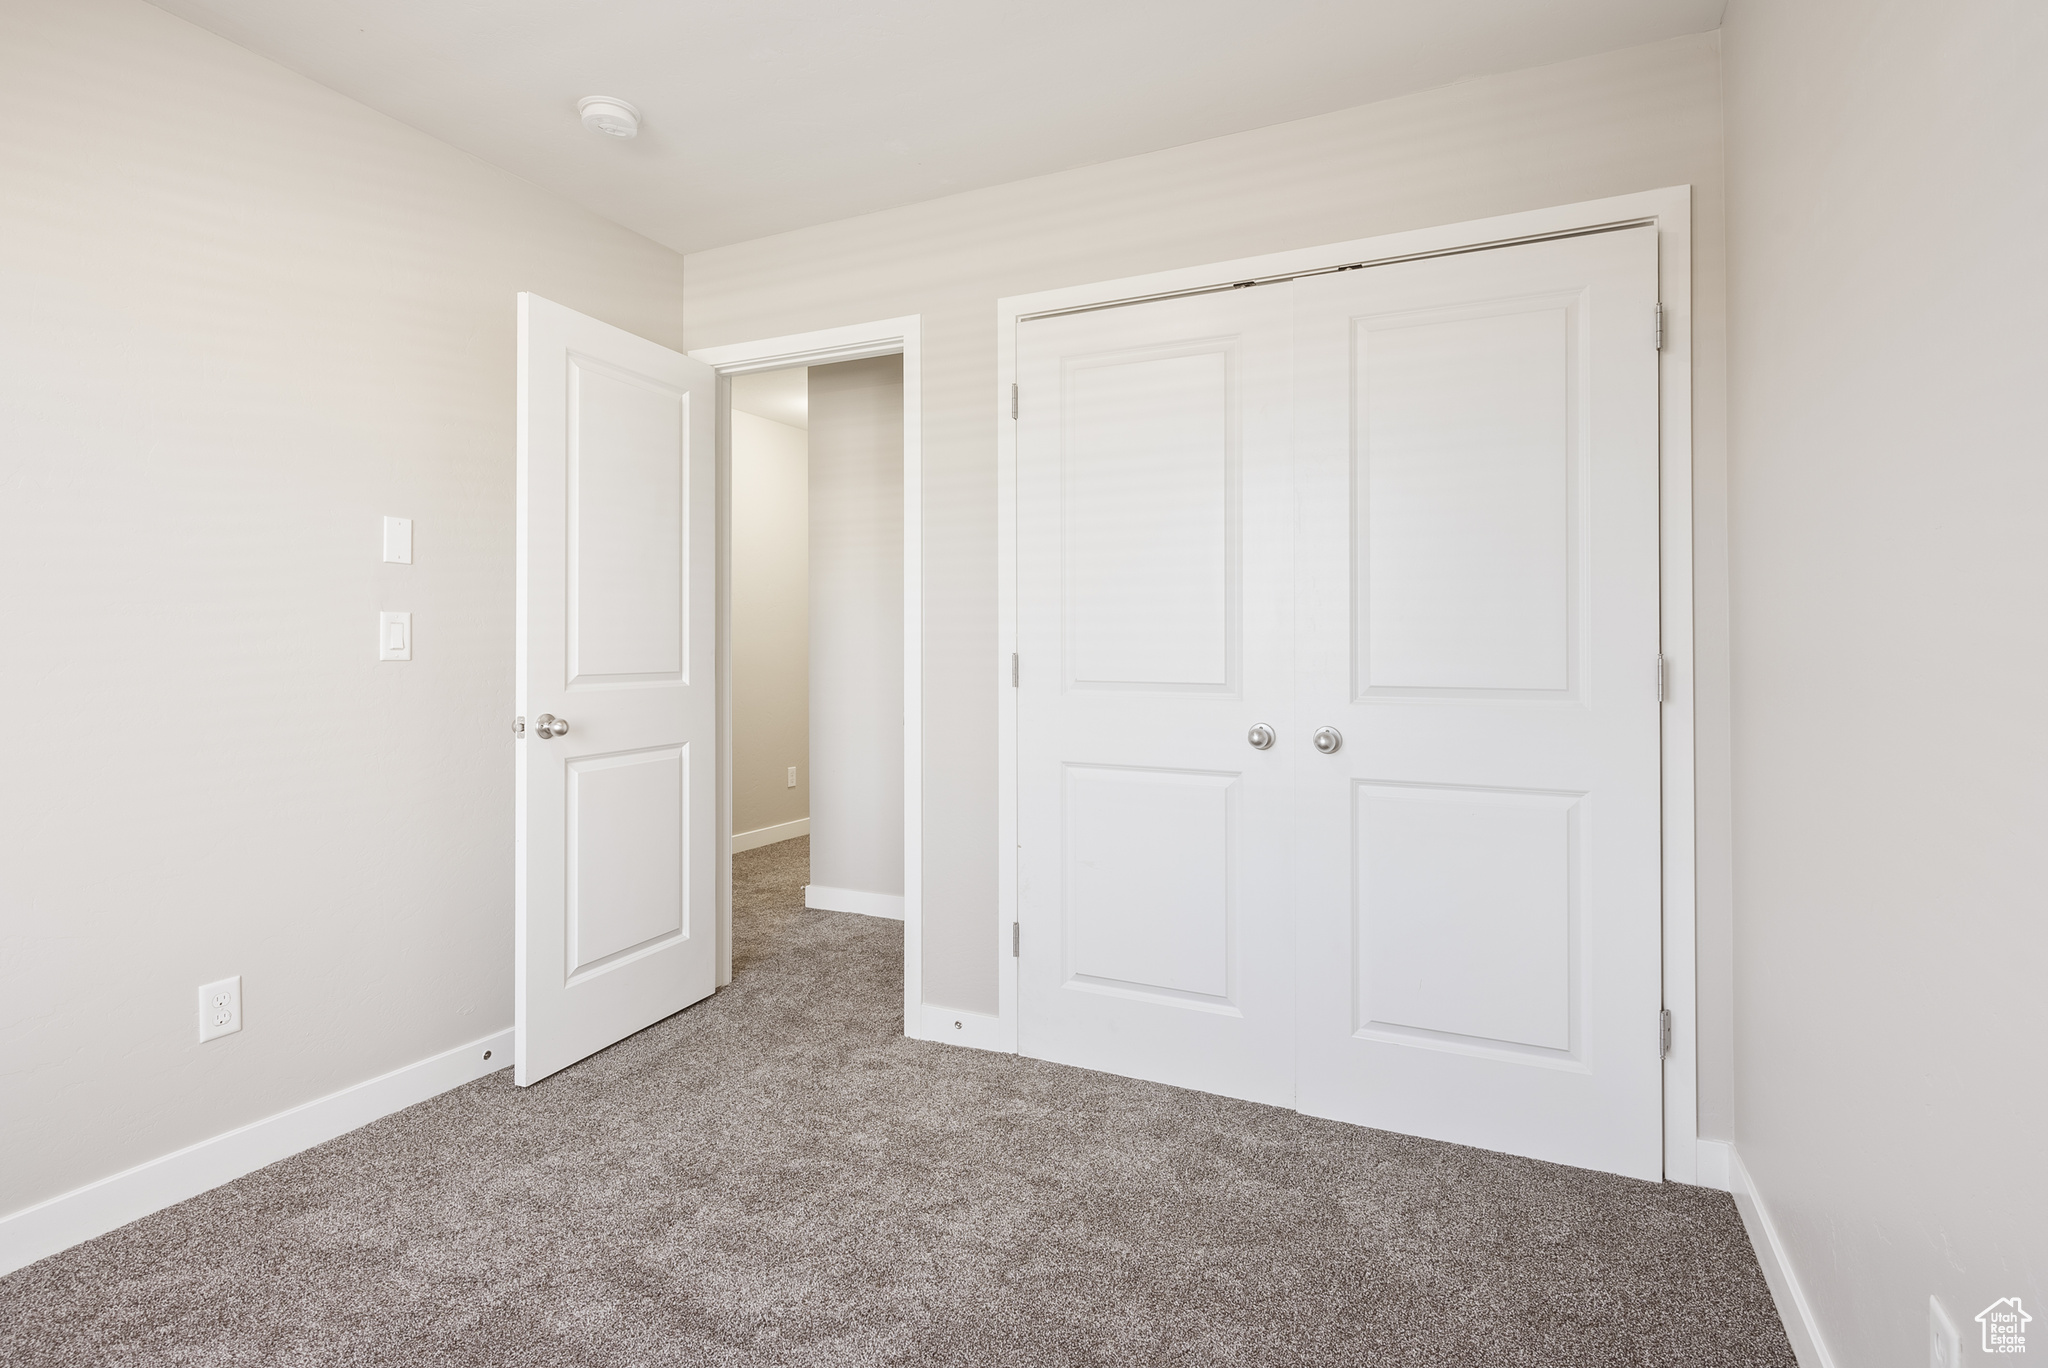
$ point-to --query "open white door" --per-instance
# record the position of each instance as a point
(617, 920)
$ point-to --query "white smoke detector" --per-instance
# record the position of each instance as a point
(603, 114)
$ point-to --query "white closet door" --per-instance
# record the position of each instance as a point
(1479, 915)
(1154, 516)
(617, 923)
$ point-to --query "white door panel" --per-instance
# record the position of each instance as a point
(627, 455)
(1479, 865)
(1149, 492)
(1154, 631)
(1464, 501)
(628, 856)
(1148, 904)
(614, 880)
(1492, 961)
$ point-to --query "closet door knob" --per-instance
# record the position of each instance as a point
(1329, 740)
(547, 726)
(1261, 737)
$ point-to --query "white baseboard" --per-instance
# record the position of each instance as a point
(1711, 1164)
(769, 835)
(951, 1026)
(825, 899)
(1793, 1309)
(42, 1230)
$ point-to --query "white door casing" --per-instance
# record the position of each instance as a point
(1479, 881)
(616, 819)
(851, 342)
(1153, 573)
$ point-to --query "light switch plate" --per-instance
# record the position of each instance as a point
(394, 636)
(220, 1008)
(398, 541)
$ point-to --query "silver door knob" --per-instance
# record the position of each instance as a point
(1261, 737)
(548, 726)
(1329, 740)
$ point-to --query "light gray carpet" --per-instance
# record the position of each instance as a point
(777, 1176)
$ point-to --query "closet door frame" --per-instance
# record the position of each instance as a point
(1686, 1158)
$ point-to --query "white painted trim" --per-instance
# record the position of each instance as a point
(1675, 504)
(1712, 1168)
(976, 1030)
(1671, 210)
(824, 899)
(722, 874)
(851, 343)
(1793, 1308)
(769, 835)
(44, 1229)
(1002, 1035)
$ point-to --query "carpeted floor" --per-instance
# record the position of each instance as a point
(778, 1177)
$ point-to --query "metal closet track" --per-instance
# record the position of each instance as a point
(1247, 284)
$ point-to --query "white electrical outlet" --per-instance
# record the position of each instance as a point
(1944, 1345)
(220, 1008)
(792, 776)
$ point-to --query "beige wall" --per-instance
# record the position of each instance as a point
(243, 319)
(1625, 121)
(1890, 478)
(856, 445)
(770, 623)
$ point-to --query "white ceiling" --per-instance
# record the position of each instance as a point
(766, 115)
(781, 396)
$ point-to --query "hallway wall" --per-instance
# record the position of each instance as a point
(856, 439)
(771, 623)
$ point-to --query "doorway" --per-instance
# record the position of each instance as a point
(624, 795)
(817, 628)
(861, 773)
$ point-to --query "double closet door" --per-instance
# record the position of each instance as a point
(1338, 704)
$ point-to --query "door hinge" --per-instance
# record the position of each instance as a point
(1013, 669)
(1663, 679)
(1016, 939)
(1658, 335)
(519, 726)
(1664, 1034)
(1013, 400)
